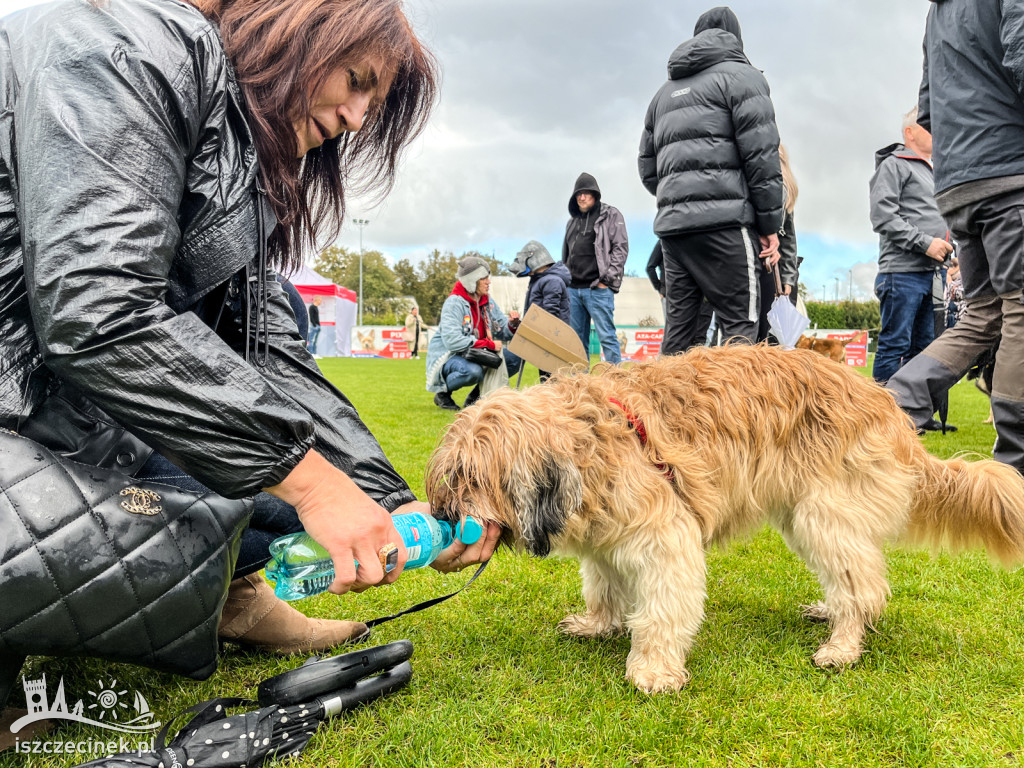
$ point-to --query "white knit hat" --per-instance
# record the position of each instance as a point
(472, 270)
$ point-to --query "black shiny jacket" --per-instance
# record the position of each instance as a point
(131, 287)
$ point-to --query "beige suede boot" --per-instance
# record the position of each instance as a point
(255, 617)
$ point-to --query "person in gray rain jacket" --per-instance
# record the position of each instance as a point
(709, 153)
(972, 102)
(150, 188)
(913, 244)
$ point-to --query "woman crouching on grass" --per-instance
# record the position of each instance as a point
(160, 161)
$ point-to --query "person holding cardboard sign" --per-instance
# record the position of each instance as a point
(549, 284)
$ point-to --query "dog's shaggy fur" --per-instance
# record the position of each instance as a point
(748, 434)
(833, 349)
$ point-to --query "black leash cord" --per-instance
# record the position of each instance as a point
(428, 603)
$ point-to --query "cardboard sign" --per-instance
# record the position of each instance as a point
(546, 342)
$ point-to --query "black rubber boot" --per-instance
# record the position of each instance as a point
(472, 397)
(444, 400)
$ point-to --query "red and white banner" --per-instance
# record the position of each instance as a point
(380, 341)
(640, 343)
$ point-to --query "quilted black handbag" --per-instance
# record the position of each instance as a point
(482, 356)
(96, 563)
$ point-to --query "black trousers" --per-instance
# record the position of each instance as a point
(720, 266)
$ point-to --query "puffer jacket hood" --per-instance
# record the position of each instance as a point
(585, 183)
(721, 17)
(704, 51)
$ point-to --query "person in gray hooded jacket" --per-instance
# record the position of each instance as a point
(913, 244)
(972, 102)
(710, 154)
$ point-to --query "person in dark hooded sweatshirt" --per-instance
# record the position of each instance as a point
(972, 102)
(710, 154)
(595, 250)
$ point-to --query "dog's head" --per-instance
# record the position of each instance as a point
(805, 342)
(506, 460)
(368, 339)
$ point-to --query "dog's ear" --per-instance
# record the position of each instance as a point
(545, 490)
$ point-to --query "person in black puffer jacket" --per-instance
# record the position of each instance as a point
(710, 154)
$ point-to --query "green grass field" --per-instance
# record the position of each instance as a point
(940, 682)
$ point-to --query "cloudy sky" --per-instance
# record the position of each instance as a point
(536, 91)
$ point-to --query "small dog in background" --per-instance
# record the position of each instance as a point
(637, 471)
(368, 340)
(833, 349)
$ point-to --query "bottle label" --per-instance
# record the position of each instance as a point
(413, 552)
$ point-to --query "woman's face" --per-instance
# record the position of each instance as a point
(337, 106)
(483, 286)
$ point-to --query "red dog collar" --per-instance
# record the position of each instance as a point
(637, 425)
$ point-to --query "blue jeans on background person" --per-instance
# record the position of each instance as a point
(314, 334)
(908, 320)
(458, 372)
(597, 304)
(271, 517)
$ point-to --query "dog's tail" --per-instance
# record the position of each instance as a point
(968, 505)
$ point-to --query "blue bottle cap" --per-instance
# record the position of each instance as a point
(469, 531)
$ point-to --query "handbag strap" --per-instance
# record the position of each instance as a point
(427, 603)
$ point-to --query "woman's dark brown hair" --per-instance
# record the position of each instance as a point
(282, 51)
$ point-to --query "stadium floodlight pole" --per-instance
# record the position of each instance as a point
(851, 285)
(360, 223)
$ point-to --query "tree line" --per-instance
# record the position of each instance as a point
(386, 289)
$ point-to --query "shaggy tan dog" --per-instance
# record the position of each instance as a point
(637, 471)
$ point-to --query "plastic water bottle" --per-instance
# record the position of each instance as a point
(301, 568)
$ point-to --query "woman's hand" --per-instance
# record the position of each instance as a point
(343, 520)
(459, 555)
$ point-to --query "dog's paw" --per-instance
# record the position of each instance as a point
(836, 656)
(585, 625)
(816, 612)
(652, 680)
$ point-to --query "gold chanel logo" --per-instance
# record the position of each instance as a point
(141, 501)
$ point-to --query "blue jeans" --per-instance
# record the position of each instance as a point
(597, 304)
(458, 372)
(908, 320)
(314, 334)
(271, 517)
